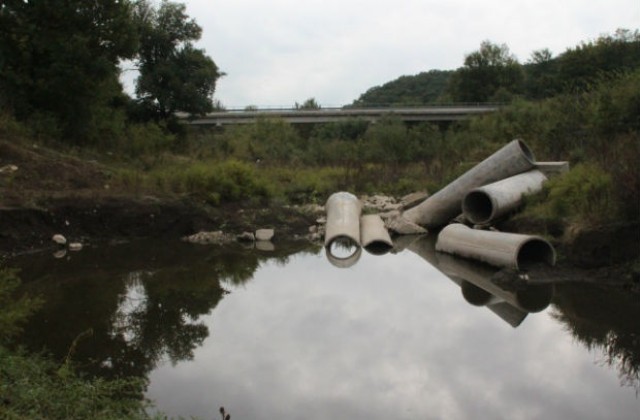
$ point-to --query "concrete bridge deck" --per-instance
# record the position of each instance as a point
(324, 115)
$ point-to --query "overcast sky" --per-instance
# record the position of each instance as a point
(278, 52)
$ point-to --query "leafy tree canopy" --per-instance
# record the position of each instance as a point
(58, 59)
(174, 75)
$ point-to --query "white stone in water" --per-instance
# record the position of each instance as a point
(75, 246)
(264, 234)
(59, 239)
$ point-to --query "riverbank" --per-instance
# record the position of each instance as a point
(44, 192)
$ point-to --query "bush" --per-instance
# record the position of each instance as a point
(584, 195)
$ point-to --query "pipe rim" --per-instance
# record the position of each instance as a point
(526, 151)
(479, 207)
(534, 251)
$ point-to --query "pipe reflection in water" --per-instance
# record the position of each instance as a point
(343, 252)
(477, 287)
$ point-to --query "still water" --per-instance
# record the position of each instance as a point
(284, 333)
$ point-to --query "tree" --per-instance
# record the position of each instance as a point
(174, 75)
(59, 60)
(541, 75)
(490, 70)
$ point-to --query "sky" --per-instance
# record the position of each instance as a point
(279, 52)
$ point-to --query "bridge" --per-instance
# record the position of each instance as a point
(438, 113)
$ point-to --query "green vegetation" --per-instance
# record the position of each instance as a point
(34, 386)
(493, 74)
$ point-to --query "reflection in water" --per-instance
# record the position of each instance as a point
(478, 288)
(605, 319)
(143, 301)
(249, 329)
(343, 252)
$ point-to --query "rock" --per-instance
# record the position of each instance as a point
(413, 199)
(246, 237)
(75, 246)
(203, 238)
(7, 169)
(264, 234)
(402, 226)
(61, 253)
(59, 239)
(379, 203)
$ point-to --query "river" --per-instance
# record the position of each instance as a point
(283, 333)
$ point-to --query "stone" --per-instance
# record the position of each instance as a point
(203, 238)
(264, 234)
(75, 246)
(59, 239)
(246, 237)
(402, 226)
(413, 199)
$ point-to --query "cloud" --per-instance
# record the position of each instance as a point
(282, 51)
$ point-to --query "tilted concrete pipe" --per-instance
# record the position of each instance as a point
(374, 235)
(484, 204)
(500, 249)
(437, 210)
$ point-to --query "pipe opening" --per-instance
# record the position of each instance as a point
(478, 207)
(378, 247)
(533, 252)
(528, 154)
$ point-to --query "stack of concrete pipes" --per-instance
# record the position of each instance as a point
(346, 226)
(488, 191)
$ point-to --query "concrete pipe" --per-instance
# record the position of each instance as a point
(500, 249)
(374, 235)
(484, 204)
(437, 210)
(342, 234)
(343, 218)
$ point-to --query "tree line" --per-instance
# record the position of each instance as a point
(60, 66)
(493, 74)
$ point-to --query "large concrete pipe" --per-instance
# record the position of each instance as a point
(374, 235)
(343, 229)
(440, 208)
(500, 249)
(343, 218)
(484, 204)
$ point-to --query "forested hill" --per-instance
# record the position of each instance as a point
(493, 74)
(422, 88)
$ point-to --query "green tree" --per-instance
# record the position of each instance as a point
(174, 75)
(489, 71)
(541, 75)
(59, 61)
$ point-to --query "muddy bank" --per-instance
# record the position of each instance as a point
(103, 220)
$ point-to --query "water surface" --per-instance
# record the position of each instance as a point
(287, 334)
